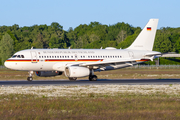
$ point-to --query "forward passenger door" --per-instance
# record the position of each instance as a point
(33, 57)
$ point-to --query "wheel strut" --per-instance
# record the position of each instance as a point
(92, 77)
(30, 78)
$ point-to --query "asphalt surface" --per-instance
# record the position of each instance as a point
(87, 82)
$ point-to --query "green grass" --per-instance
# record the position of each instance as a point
(124, 106)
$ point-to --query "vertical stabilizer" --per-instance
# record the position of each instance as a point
(145, 39)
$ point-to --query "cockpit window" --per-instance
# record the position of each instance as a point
(22, 56)
(18, 56)
(14, 56)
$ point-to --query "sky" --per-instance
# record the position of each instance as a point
(72, 13)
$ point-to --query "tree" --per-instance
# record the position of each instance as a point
(6, 47)
(56, 26)
(93, 38)
(56, 42)
(82, 41)
(39, 42)
(121, 36)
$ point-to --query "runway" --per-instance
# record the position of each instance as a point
(87, 82)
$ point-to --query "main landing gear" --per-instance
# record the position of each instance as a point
(92, 77)
(72, 78)
(30, 78)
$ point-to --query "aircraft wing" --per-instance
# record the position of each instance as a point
(100, 62)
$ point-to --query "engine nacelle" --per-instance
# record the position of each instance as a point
(76, 71)
(47, 73)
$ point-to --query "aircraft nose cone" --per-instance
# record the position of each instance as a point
(6, 64)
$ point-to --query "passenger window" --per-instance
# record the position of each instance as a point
(52, 56)
(57, 56)
(39, 56)
(44, 56)
(71, 56)
(47, 56)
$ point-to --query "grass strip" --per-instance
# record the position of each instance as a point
(122, 106)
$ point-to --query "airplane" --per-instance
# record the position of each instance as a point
(76, 63)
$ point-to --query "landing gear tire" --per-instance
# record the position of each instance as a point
(73, 79)
(93, 78)
(30, 79)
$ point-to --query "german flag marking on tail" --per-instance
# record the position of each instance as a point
(148, 28)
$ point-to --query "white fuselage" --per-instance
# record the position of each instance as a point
(58, 59)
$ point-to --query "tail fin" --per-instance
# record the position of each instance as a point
(145, 39)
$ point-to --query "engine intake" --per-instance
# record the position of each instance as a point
(76, 71)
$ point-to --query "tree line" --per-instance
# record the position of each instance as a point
(94, 35)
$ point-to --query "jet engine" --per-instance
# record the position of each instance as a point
(76, 71)
(47, 73)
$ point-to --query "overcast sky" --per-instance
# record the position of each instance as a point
(72, 13)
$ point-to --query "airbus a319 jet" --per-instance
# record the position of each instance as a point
(76, 63)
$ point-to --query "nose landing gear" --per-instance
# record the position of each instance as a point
(30, 78)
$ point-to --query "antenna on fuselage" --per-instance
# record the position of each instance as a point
(32, 47)
(101, 48)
